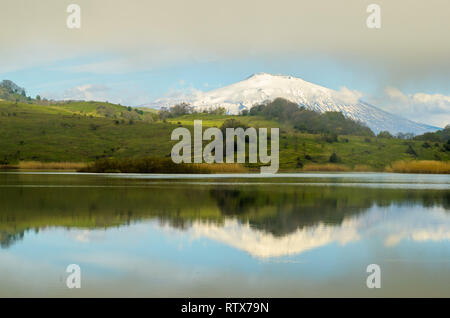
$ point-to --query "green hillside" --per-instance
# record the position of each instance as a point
(87, 131)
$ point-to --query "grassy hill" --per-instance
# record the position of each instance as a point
(87, 131)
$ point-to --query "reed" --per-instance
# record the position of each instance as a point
(363, 168)
(325, 167)
(420, 166)
(37, 165)
(222, 167)
(158, 165)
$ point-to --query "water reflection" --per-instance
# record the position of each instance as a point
(263, 220)
(401, 224)
(225, 237)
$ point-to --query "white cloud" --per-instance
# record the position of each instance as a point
(117, 66)
(348, 95)
(147, 59)
(429, 108)
(261, 244)
(87, 92)
(238, 29)
(97, 92)
(399, 223)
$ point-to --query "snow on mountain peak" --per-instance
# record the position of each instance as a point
(263, 87)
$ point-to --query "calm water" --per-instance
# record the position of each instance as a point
(292, 235)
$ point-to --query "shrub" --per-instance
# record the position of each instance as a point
(332, 137)
(385, 134)
(411, 151)
(232, 123)
(334, 158)
(299, 163)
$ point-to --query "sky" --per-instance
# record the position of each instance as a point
(133, 52)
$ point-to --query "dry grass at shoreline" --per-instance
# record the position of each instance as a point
(222, 167)
(363, 168)
(325, 167)
(37, 165)
(159, 165)
(417, 166)
(420, 166)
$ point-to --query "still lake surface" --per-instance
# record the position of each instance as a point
(288, 235)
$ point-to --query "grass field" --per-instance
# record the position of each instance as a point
(81, 132)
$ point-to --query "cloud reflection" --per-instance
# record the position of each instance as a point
(394, 226)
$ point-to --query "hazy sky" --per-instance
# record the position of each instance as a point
(135, 51)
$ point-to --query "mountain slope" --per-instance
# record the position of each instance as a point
(263, 87)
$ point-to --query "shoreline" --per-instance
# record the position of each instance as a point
(411, 167)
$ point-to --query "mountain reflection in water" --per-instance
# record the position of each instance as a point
(262, 220)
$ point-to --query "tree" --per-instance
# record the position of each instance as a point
(385, 134)
(332, 137)
(334, 158)
(12, 87)
(299, 163)
(232, 123)
(309, 121)
(164, 113)
(405, 136)
(181, 109)
(411, 151)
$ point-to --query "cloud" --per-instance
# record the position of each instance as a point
(399, 223)
(260, 244)
(87, 236)
(176, 96)
(430, 108)
(411, 38)
(349, 96)
(98, 92)
(87, 92)
(150, 58)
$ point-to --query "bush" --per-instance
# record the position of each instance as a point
(447, 146)
(411, 151)
(438, 136)
(232, 123)
(330, 138)
(334, 158)
(385, 134)
(94, 126)
(299, 163)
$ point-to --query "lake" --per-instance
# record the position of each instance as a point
(287, 235)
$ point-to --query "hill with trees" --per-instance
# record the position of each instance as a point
(77, 131)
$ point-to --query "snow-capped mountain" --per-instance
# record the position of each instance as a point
(263, 87)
